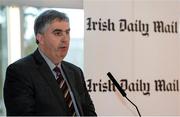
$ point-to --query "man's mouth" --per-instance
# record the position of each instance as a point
(62, 47)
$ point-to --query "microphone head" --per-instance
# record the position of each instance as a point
(116, 84)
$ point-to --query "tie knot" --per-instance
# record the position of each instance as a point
(57, 69)
(58, 74)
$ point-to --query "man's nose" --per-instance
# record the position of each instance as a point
(64, 36)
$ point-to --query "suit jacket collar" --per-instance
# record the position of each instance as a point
(70, 76)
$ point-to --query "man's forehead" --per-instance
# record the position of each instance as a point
(63, 25)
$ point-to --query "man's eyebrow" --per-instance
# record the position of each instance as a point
(60, 30)
(57, 30)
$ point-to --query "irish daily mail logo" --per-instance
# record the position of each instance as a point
(136, 26)
(144, 87)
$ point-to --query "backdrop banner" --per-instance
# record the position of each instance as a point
(138, 41)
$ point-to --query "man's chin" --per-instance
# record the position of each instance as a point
(62, 56)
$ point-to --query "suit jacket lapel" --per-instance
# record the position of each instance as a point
(48, 76)
(70, 76)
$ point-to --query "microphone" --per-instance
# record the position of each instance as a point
(116, 84)
(122, 91)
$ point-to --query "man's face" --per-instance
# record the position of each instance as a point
(54, 42)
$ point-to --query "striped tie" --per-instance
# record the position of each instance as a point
(63, 86)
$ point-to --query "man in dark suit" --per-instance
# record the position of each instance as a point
(31, 86)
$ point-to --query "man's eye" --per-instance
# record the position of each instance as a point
(58, 33)
(67, 32)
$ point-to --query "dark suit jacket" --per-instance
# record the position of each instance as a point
(31, 89)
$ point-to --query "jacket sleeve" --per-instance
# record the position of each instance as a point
(18, 92)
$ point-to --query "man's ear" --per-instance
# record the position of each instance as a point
(39, 38)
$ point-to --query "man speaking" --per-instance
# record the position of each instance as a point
(42, 83)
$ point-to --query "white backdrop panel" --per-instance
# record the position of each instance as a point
(138, 42)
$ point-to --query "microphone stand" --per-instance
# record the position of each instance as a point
(134, 105)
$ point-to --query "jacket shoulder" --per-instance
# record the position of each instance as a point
(24, 60)
(23, 63)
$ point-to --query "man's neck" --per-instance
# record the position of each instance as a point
(55, 62)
